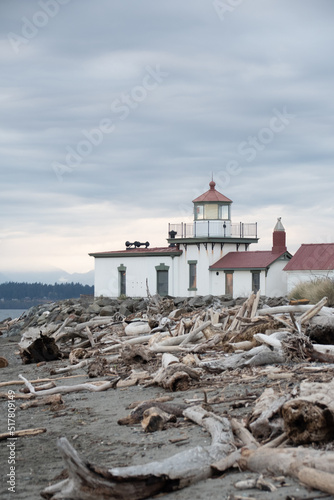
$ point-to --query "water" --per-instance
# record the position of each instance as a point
(10, 313)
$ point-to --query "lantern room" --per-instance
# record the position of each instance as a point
(212, 205)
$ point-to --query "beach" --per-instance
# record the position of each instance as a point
(89, 422)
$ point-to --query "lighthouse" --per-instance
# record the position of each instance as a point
(213, 224)
(208, 256)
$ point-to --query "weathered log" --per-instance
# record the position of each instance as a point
(87, 482)
(315, 468)
(259, 483)
(306, 422)
(3, 362)
(21, 382)
(175, 377)
(137, 413)
(267, 406)
(325, 311)
(192, 336)
(243, 434)
(53, 399)
(310, 416)
(135, 354)
(41, 387)
(66, 369)
(257, 356)
(21, 433)
(38, 347)
(313, 311)
(155, 419)
(63, 389)
(137, 340)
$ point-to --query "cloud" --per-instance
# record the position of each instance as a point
(153, 144)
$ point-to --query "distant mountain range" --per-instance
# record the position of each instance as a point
(49, 277)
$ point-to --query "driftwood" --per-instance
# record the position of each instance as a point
(53, 399)
(257, 356)
(63, 389)
(135, 354)
(326, 311)
(86, 481)
(314, 468)
(42, 348)
(137, 413)
(267, 406)
(155, 419)
(3, 362)
(310, 417)
(21, 433)
(175, 376)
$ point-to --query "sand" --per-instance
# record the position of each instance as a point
(89, 421)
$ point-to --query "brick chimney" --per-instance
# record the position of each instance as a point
(279, 238)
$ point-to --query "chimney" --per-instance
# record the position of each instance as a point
(279, 242)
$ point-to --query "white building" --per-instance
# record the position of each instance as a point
(311, 261)
(209, 256)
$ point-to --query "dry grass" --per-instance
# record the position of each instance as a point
(314, 291)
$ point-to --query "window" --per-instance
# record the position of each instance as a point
(255, 281)
(229, 283)
(223, 212)
(192, 274)
(211, 211)
(199, 212)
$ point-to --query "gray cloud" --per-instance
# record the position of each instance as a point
(154, 142)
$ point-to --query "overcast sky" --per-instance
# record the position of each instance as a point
(116, 113)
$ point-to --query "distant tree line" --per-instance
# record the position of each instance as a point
(32, 291)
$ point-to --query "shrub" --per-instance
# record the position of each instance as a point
(314, 290)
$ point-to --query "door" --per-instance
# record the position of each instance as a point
(162, 283)
(229, 284)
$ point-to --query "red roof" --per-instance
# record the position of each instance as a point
(212, 195)
(246, 260)
(145, 251)
(312, 257)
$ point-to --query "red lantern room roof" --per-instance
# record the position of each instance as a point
(212, 195)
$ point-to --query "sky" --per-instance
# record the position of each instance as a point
(115, 115)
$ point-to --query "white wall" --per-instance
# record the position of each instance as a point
(205, 258)
(296, 277)
(137, 270)
(276, 281)
(272, 285)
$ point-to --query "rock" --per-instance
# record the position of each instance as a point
(94, 309)
(108, 311)
(229, 303)
(196, 301)
(137, 328)
(180, 300)
(208, 299)
(240, 300)
(105, 301)
(139, 305)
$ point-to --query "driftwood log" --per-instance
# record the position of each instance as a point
(137, 413)
(155, 419)
(310, 417)
(314, 468)
(87, 482)
(21, 433)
